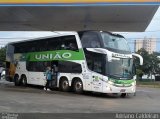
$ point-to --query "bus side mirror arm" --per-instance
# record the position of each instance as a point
(139, 56)
(109, 56)
(102, 51)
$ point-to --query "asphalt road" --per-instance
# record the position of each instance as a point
(36, 100)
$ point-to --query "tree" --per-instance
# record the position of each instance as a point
(151, 63)
(146, 61)
(139, 73)
(2, 54)
(156, 53)
(156, 62)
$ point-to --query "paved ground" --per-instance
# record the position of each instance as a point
(35, 99)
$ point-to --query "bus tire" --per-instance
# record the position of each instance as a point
(123, 95)
(78, 86)
(24, 80)
(16, 80)
(64, 85)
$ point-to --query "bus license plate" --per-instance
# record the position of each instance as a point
(123, 90)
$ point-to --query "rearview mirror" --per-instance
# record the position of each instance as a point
(140, 58)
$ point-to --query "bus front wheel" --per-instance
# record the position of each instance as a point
(64, 85)
(123, 95)
(78, 86)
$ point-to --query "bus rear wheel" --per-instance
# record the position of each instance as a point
(64, 85)
(78, 86)
(16, 81)
(24, 81)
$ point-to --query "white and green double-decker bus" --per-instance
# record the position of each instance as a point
(95, 61)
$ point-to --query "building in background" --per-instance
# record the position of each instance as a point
(138, 44)
(149, 44)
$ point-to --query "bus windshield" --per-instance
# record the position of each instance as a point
(120, 68)
(114, 43)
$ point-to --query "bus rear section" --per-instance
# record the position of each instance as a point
(28, 60)
(10, 63)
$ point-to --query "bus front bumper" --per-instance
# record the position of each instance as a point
(122, 89)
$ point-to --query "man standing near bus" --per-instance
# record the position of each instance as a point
(48, 75)
(54, 75)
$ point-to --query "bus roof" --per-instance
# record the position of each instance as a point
(61, 33)
(113, 34)
(55, 34)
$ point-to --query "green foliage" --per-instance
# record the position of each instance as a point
(156, 53)
(2, 54)
(151, 63)
(139, 72)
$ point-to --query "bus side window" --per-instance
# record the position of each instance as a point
(90, 40)
(69, 67)
(89, 60)
(95, 62)
(69, 43)
(37, 66)
(97, 67)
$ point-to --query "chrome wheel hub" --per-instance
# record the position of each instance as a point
(78, 85)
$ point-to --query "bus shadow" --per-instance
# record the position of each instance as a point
(85, 93)
(100, 95)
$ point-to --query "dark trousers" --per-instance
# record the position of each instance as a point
(0, 76)
(47, 84)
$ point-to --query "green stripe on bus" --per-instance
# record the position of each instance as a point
(53, 55)
(116, 81)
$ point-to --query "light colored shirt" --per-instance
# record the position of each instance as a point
(48, 75)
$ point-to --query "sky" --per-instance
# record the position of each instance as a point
(153, 30)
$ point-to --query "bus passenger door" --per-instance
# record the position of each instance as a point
(97, 82)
